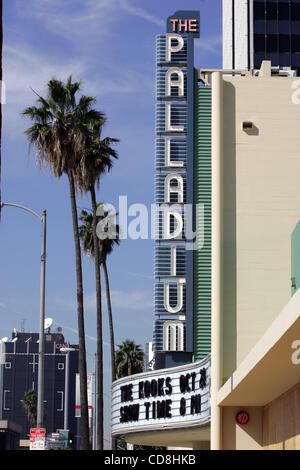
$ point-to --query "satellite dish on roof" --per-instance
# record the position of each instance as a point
(48, 323)
(4, 340)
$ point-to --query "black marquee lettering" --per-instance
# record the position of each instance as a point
(169, 389)
(202, 381)
(147, 389)
(147, 408)
(182, 407)
(168, 409)
(160, 389)
(153, 388)
(141, 390)
(195, 404)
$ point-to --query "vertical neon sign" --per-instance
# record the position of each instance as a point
(173, 262)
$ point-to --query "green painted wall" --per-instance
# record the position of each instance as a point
(295, 262)
(202, 195)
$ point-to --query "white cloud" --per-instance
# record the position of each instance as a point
(141, 13)
(210, 44)
(75, 331)
(88, 16)
(122, 300)
(27, 69)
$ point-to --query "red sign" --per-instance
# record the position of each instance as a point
(189, 26)
(38, 432)
(37, 438)
(242, 418)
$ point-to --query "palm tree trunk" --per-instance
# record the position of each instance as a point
(111, 325)
(84, 417)
(99, 326)
(112, 336)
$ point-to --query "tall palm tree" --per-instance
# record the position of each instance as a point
(105, 246)
(60, 130)
(97, 160)
(129, 359)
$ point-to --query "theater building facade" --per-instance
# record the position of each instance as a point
(170, 405)
(226, 338)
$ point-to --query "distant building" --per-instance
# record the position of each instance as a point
(19, 374)
(257, 30)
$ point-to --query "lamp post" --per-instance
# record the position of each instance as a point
(40, 402)
(66, 351)
(94, 403)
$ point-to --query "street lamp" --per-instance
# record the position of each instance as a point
(66, 351)
(40, 402)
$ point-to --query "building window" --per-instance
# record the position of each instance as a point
(60, 401)
(295, 43)
(284, 11)
(272, 43)
(60, 366)
(7, 365)
(6, 400)
(259, 42)
(284, 43)
(295, 11)
(259, 10)
(271, 11)
(173, 336)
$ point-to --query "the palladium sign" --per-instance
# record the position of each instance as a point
(174, 163)
(170, 398)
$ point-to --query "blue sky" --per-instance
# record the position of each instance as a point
(110, 46)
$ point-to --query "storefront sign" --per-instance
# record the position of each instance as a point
(177, 397)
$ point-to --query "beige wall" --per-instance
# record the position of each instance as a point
(275, 426)
(281, 422)
(246, 437)
(261, 207)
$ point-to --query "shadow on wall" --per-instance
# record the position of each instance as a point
(229, 232)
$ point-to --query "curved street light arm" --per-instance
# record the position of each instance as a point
(2, 204)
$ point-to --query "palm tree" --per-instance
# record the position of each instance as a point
(60, 130)
(105, 247)
(97, 160)
(29, 402)
(129, 359)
